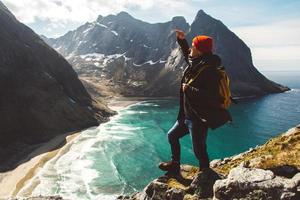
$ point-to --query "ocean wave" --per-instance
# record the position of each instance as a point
(143, 103)
(73, 172)
(142, 112)
(121, 127)
(132, 112)
(99, 162)
(149, 104)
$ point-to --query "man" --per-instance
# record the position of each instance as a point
(199, 101)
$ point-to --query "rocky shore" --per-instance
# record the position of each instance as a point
(269, 171)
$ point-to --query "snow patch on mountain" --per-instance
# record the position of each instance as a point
(99, 24)
(114, 32)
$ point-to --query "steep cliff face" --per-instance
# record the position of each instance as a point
(270, 171)
(142, 59)
(41, 95)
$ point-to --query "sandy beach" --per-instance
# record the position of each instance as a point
(13, 181)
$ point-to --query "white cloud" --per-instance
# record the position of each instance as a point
(52, 10)
(83, 10)
(56, 17)
(278, 65)
(271, 41)
(278, 41)
(274, 46)
(279, 33)
(289, 52)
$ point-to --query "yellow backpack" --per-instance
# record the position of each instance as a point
(224, 85)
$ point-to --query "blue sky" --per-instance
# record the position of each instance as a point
(271, 28)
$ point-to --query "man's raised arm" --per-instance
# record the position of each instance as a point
(183, 44)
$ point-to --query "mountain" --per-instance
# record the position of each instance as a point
(136, 58)
(41, 95)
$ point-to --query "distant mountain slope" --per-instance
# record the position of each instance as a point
(41, 95)
(142, 59)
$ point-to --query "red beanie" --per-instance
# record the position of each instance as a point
(203, 43)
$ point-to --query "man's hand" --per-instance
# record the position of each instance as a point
(184, 87)
(179, 34)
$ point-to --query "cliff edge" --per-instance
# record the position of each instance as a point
(269, 171)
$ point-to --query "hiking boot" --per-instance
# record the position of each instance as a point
(170, 166)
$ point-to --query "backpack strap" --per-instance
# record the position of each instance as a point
(197, 74)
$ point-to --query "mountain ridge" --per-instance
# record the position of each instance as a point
(41, 95)
(148, 60)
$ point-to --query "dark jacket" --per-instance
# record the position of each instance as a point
(201, 99)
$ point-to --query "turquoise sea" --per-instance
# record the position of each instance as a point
(121, 156)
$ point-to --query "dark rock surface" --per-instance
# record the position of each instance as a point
(41, 95)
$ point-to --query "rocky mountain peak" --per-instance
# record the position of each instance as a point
(99, 18)
(180, 22)
(201, 13)
(142, 54)
(204, 19)
(124, 14)
(178, 19)
(115, 18)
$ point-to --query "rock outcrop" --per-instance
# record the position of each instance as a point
(41, 95)
(270, 171)
(252, 183)
(136, 58)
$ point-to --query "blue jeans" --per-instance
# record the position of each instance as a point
(198, 133)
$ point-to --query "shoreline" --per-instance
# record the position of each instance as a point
(123, 102)
(12, 182)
